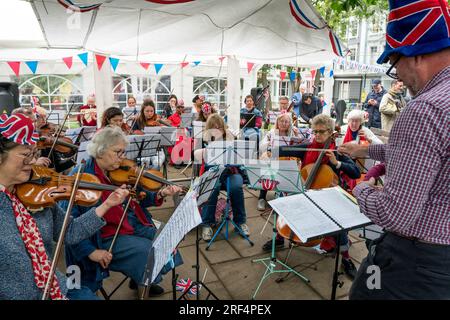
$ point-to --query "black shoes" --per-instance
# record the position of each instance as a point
(154, 290)
(279, 243)
(349, 268)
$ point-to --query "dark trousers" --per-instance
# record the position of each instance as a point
(409, 269)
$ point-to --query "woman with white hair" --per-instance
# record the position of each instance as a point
(88, 113)
(355, 131)
(132, 246)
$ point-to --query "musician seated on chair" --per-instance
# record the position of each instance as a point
(88, 113)
(355, 131)
(130, 251)
(215, 130)
(114, 117)
(323, 128)
(27, 240)
(250, 108)
(205, 111)
(283, 134)
(175, 119)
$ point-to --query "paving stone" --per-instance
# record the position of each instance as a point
(358, 251)
(241, 278)
(220, 251)
(215, 287)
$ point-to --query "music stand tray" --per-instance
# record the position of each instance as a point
(140, 147)
(186, 120)
(250, 120)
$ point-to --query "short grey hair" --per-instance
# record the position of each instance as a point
(104, 139)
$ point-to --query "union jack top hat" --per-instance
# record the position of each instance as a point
(416, 28)
(19, 129)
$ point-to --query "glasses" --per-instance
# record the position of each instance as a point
(390, 73)
(29, 157)
(120, 153)
(316, 132)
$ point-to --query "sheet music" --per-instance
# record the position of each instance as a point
(303, 217)
(184, 219)
(206, 183)
(237, 152)
(308, 221)
(88, 133)
(339, 207)
(279, 176)
(142, 146)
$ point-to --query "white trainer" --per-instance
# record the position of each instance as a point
(261, 205)
(245, 229)
(207, 233)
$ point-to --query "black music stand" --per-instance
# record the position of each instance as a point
(229, 154)
(168, 139)
(140, 147)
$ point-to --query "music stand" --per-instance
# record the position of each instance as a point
(82, 154)
(250, 120)
(229, 154)
(168, 139)
(81, 134)
(56, 116)
(140, 147)
(203, 186)
(186, 120)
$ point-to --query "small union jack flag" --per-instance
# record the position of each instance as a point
(184, 284)
(417, 27)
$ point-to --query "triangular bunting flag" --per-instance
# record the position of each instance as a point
(84, 57)
(145, 65)
(313, 74)
(221, 59)
(114, 62)
(292, 76)
(68, 61)
(32, 65)
(196, 63)
(184, 64)
(250, 66)
(100, 60)
(331, 73)
(322, 71)
(282, 75)
(15, 66)
(158, 67)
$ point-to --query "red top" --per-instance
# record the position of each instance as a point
(88, 118)
(175, 119)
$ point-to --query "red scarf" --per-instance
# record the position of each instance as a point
(113, 216)
(34, 244)
(348, 136)
(311, 156)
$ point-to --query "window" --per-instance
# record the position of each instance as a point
(141, 88)
(214, 90)
(353, 28)
(376, 25)
(373, 55)
(284, 89)
(344, 90)
(54, 92)
(352, 55)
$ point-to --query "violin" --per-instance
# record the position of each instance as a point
(63, 144)
(317, 176)
(151, 180)
(46, 187)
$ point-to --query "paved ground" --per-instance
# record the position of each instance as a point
(231, 274)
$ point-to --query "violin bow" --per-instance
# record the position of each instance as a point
(62, 234)
(141, 171)
(58, 132)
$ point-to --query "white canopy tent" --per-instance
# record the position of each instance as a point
(260, 31)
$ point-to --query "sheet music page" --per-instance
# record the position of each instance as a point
(303, 217)
(339, 207)
(185, 218)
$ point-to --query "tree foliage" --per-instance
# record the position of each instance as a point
(337, 12)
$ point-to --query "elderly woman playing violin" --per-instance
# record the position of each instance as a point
(323, 128)
(26, 240)
(135, 236)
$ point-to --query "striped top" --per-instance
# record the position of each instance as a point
(415, 200)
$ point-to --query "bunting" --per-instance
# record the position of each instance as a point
(15, 66)
(292, 75)
(282, 75)
(158, 67)
(196, 63)
(250, 66)
(184, 64)
(100, 60)
(32, 65)
(145, 65)
(114, 63)
(68, 61)
(84, 58)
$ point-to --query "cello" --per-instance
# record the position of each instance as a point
(317, 176)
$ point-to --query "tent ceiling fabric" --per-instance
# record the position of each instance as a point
(261, 31)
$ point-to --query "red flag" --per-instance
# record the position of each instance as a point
(250, 66)
(145, 65)
(282, 75)
(313, 74)
(100, 59)
(68, 61)
(15, 66)
(184, 64)
(222, 58)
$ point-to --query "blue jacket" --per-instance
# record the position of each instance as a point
(92, 274)
(307, 112)
(374, 111)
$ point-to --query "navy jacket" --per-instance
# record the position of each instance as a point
(308, 112)
(348, 166)
(92, 274)
(374, 111)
